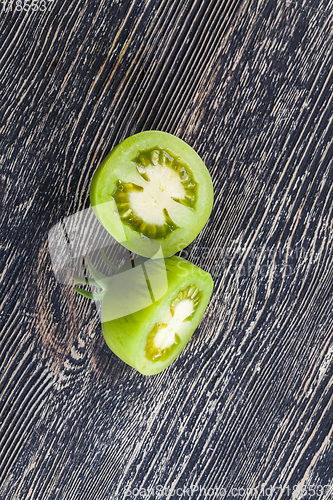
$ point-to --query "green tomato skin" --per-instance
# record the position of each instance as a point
(119, 165)
(127, 336)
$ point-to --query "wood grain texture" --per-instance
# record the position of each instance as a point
(249, 403)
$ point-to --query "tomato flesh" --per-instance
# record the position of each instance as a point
(152, 187)
(151, 338)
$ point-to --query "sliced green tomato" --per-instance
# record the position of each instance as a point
(152, 187)
(151, 338)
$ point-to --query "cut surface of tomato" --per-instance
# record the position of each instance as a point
(152, 187)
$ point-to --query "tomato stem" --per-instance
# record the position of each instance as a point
(107, 261)
(84, 281)
(89, 295)
(98, 277)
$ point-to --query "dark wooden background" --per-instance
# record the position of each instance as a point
(249, 403)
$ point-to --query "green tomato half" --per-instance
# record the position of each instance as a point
(150, 338)
(152, 188)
